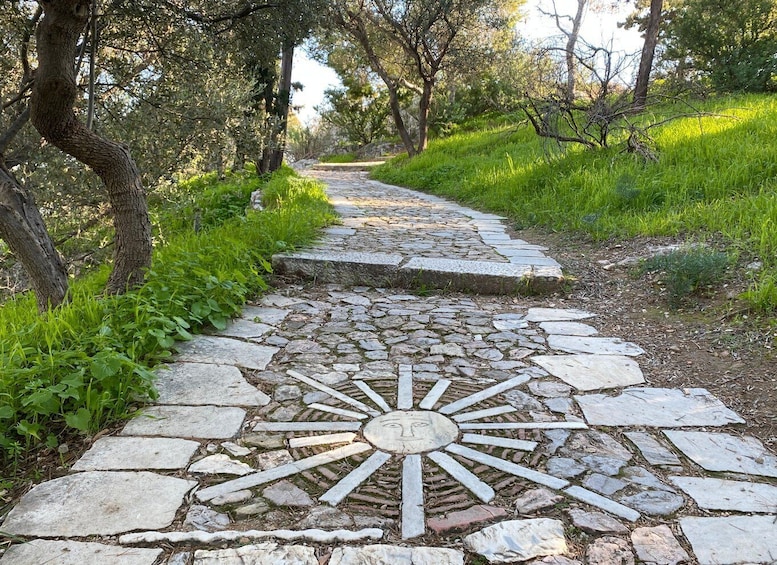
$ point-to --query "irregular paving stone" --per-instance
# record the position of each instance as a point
(652, 450)
(181, 558)
(205, 422)
(219, 464)
(245, 329)
(448, 349)
(206, 384)
(725, 452)
(206, 519)
(720, 494)
(594, 345)
(609, 551)
(235, 449)
(97, 503)
(284, 493)
(549, 389)
(256, 508)
(265, 440)
(271, 316)
(395, 555)
(522, 401)
(518, 540)
(643, 477)
(654, 502)
(732, 539)
(603, 484)
(564, 467)
(326, 518)
(273, 459)
(130, 453)
(232, 498)
(658, 546)
(37, 552)
(286, 392)
(555, 560)
(605, 465)
(568, 328)
(463, 519)
(225, 351)
(258, 555)
(657, 407)
(594, 442)
(556, 315)
(592, 372)
(596, 522)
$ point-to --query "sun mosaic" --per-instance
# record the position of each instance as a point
(434, 428)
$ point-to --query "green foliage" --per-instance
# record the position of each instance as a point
(85, 364)
(715, 175)
(339, 158)
(733, 43)
(687, 270)
(360, 110)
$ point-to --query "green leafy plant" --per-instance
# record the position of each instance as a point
(687, 270)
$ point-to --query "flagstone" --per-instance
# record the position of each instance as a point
(725, 452)
(395, 555)
(721, 494)
(730, 540)
(657, 407)
(518, 540)
(206, 384)
(97, 503)
(246, 329)
(594, 345)
(205, 422)
(557, 314)
(568, 328)
(652, 450)
(592, 372)
(270, 316)
(256, 554)
(37, 552)
(137, 453)
(225, 351)
(219, 464)
(658, 546)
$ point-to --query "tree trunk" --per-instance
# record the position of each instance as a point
(423, 115)
(282, 108)
(51, 112)
(399, 122)
(572, 37)
(22, 228)
(648, 52)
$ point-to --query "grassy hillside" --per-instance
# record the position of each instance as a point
(716, 175)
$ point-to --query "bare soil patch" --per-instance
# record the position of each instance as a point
(712, 342)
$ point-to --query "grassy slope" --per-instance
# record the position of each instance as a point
(83, 365)
(715, 175)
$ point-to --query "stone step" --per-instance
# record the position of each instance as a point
(391, 270)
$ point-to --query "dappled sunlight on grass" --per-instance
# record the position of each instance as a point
(716, 174)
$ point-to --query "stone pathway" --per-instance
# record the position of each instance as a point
(344, 424)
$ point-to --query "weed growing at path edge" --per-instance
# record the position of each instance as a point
(87, 363)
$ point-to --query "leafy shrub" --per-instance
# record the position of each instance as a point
(85, 364)
(687, 270)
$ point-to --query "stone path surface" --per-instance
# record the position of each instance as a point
(348, 424)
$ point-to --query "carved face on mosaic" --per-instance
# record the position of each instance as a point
(406, 432)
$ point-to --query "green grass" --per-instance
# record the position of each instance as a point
(715, 175)
(86, 364)
(339, 158)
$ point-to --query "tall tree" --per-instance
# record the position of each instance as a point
(651, 31)
(51, 111)
(570, 27)
(409, 43)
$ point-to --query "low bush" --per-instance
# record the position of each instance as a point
(87, 363)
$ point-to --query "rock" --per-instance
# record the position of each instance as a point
(568, 328)
(235, 449)
(205, 519)
(219, 464)
(203, 422)
(594, 345)
(564, 467)
(395, 555)
(657, 407)
(654, 502)
(518, 540)
(549, 389)
(272, 459)
(642, 477)
(521, 400)
(463, 519)
(725, 452)
(596, 522)
(448, 349)
(261, 553)
(592, 372)
(592, 442)
(137, 453)
(605, 465)
(603, 484)
(36, 552)
(256, 508)
(265, 440)
(720, 494)
(225, 351)
(98, 503)
(732, 539)
(326, 518)
(232, 498)
(536, 499)
(652, 450)
(284, 493)
(283, 393)
(556, 315)
(658, 546)
(609, 551)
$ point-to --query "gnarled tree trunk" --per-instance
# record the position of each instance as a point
(51, 107)
(22, 228)
(648, 52)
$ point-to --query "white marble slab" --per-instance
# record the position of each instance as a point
(568, 328)
(413, 522)
(352, 480)
(657, 407)
(732, 539)
(725, 452)
(518, 540)
(395, 555)
(206, 384)
(592, 372)
(557, 314)
(464, 476)
(37, 552)
(137, 453)
(720, 494)
(508, 467)
(496, 441)
(602, 502)
(468, 401)
(594, 345)
(225, 351)
(205, 422)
